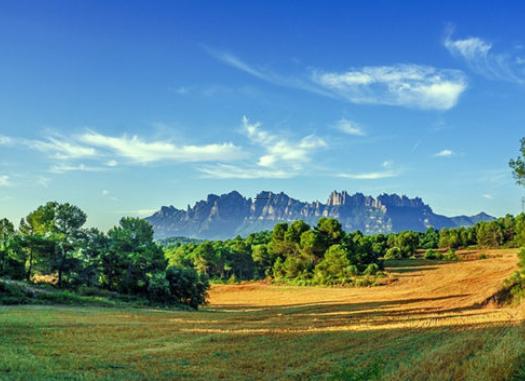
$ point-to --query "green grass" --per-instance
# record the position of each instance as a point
(89, 343)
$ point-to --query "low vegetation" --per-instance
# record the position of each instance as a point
(430, 325)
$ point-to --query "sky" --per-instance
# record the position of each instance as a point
(123, 106)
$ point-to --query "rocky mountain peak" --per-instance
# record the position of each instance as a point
(230, 214)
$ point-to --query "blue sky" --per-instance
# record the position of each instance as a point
(123, 106)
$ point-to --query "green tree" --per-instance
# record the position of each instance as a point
(408, 243)
(295, 230)
(430, 239)
(11, 258)
(518, 165)
(132, 257)
(335, 267)
(490, 234)
(331, 230)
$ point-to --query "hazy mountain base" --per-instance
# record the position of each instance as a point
(228, 215)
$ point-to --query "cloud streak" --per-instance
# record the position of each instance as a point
(281, 157)
(444, 153)
(5, 181)
(370, 175)
(411, 86)
(140, 151)
(403, 85)
(350, 128)
(480, 57)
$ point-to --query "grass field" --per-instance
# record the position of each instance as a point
(432, 323)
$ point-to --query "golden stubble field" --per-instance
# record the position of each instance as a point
(432, 323)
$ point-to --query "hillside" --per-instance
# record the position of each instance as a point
(228, 215)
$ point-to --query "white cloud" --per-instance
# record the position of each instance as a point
(444, 153)
(139, 212)
(5, 140)
(62, 149)
(406, 85)
(227, 171)
(141, 151)
(279, 150)
(369, 175)
(412, 86)
(488, 196)
(111, 163)
(64, 168)
(5, 181)
(479, 55)
(281, 158)
(348, 127)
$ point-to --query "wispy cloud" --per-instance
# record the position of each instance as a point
(405, 85)
(350, 128)
(480, 56)
(444, 153)
(140, 151)
(370, 175)
(5, 181)
(228, 171)
(280, 150)
(65, 168)
(412, 86)
(265, 74)
(387, 171)
(488, 196)
(280, 158)
(5, 140)
(61, 148)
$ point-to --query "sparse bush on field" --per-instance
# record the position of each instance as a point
(450, 255)
(393, 253)
(432, 254)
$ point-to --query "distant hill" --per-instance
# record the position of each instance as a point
(231, 214)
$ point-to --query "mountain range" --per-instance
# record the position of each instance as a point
(231, 214)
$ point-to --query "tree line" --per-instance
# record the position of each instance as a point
(52, 241)
(325, 254)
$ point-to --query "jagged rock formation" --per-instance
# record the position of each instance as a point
(227, 215)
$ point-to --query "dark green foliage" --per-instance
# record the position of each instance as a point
(393, 253)
(429, 240)
(187, 286)
(51, 241)
(518, 165)
(433, 254)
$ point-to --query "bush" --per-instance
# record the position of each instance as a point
(450, 255)
(187, 286)
(432, 254)
(371, 269)
(393, 253)
(159, 288)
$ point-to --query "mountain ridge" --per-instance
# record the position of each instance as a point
(230, 214)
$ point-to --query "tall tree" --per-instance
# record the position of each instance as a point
(518, 165)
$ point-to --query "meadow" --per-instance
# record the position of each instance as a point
(434, 321)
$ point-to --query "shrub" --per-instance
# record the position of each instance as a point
(450, 255)
(432, 254)
(187, 286)
(159, 287)
(371, 269)
(393, 253)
